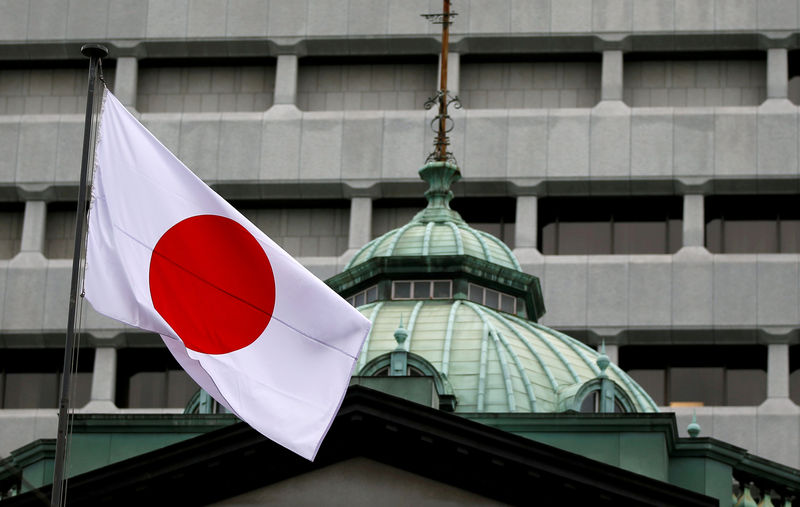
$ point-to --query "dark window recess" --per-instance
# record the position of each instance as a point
(151, 378)
(733, 375)
(30, 378)
(495, 215)
(794, 373)
(610, 225)
(752, 223)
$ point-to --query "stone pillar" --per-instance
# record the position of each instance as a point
(286, 80)
(777, 73)
(453, 73)
(360, 222)
(126, 80)
(693, 220)
(33, 227)
(777, 370)
(611, 81)
(526, 226)
(104, 379)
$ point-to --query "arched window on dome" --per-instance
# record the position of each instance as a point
(415, 366)
(410, 372)
(600, 395)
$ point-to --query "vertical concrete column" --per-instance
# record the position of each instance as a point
(526, 224)
(453, 73)
(34, 222)
(611, 80)
(694, 220)
(360, 222)
(286, 80)
(104, 377)
(777, 370)
(777, 73)
(126, 80)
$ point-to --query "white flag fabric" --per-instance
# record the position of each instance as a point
(255, 329)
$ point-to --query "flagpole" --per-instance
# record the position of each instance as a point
(94, 52)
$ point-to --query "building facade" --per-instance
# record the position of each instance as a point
(640, 158)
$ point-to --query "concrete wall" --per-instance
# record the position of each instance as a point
(695, 83)
(10, 233)
(286, 19)
(389, 86)
(206, 88)
(305, 232)
(534, 150)
(59, 239)
(512, 85)
(45, 90)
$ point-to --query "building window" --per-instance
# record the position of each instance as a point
(752, 224)
(59, 237)
(11, 216)
(695, 79)
(527, 81)
(411, 371)
(201, 85)
(699, 375)
(151, 378)
(494, 215)
(610, 225)
(30, 378)
(316, 228)
(492, 298)
(794, 373)
(422, 289)
(365, 296)
(385, 83)
(591, 404)
(47, 87)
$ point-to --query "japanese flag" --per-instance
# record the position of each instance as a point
(256, 330)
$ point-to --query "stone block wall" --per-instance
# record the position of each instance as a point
(45, 90)
(304, 232)
(369, 86)
(508, 85)
(10, 231)
(59, 236)
(695, 83)
(209, 88)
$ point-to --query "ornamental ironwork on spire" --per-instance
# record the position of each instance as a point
(442, 123)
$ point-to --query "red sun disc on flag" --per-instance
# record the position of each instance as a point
(213, 284)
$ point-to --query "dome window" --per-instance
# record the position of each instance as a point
(492, 299)
(422, 289)
(365, 296)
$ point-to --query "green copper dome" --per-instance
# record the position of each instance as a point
(437, 230)
(467, 318)
(495, 361)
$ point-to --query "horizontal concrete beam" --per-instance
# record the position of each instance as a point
(610, 148)
(730, 295)
(129, 22)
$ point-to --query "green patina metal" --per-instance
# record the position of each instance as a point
(437, 230)
(498, 338)
(496, 362)
(451, 335)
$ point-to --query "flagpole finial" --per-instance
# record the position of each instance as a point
(93, 50)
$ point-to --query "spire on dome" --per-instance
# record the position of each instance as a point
(442, 124)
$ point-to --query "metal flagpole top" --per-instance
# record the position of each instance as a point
(93, 50)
